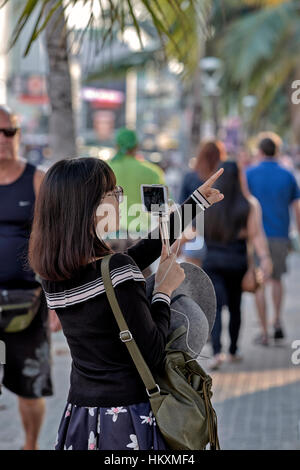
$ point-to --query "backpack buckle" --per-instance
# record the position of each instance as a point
(125, 336)
(157, 390)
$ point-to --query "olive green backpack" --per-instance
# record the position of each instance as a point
(180, 395)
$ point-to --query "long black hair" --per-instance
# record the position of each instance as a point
(63, 236)
(224, 220)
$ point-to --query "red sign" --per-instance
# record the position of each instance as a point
(100, 97)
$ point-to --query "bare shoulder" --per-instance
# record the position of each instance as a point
(37, 179)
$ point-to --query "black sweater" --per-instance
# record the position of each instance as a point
(103, 373)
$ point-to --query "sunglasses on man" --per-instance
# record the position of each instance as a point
(9, 132)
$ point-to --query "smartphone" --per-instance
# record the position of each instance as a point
(155, 198)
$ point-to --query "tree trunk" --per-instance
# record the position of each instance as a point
(196, 128)
(62, 133)
(197, 108)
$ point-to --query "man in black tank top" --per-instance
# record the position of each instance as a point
(27, 369)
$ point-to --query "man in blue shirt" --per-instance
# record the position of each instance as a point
(277, 190)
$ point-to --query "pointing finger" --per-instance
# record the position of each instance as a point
(213, 178)
(164, 252)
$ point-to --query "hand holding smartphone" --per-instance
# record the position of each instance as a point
(169, 274)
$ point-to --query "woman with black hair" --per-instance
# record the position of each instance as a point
(228, 228)
(108, 406)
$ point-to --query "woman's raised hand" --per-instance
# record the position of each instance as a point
(211, 194)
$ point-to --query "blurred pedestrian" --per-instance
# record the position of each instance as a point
(210, 153)
(131, 171)
(228, 228)
(27, 368)
(277, 190)
(244, 158)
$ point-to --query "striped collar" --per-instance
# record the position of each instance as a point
(91, 289)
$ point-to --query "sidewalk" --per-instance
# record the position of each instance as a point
(257, 401)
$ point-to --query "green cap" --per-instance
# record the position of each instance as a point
(126, 140)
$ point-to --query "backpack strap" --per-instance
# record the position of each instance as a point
(125, 335)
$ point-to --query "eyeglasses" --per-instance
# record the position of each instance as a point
(118, 192)
(9, 132)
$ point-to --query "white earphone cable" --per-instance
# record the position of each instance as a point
(173, 261)
(188, 330)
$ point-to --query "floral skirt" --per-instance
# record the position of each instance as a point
(130, 427)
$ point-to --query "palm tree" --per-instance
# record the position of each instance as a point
(62, 133)
(179, 26)
(260, 56)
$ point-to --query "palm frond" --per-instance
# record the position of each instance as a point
(180, 25)
(252, 39)
(259, 57)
